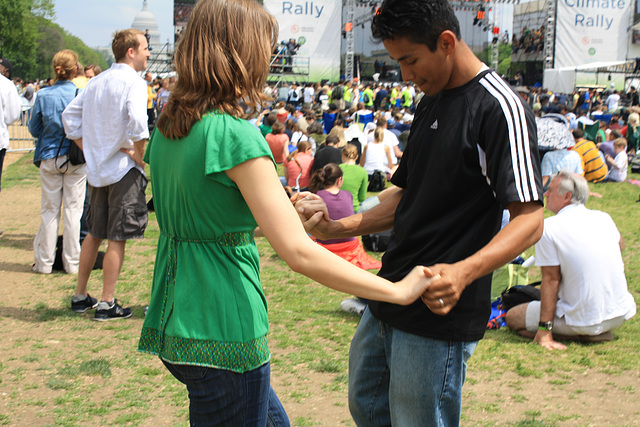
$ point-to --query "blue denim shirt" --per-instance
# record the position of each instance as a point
(46, 120)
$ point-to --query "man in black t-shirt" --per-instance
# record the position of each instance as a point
(472, 152)
(330, 153)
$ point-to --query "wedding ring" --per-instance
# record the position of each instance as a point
(441, 302)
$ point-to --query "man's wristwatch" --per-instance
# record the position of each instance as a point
(545, 326)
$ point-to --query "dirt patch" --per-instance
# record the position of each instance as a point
(30, 344)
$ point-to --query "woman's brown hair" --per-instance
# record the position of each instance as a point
(325, 177)
(65, 64)
(277, 128)
(223, 57)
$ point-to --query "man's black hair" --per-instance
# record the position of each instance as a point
(420, 21)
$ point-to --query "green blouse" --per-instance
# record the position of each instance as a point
(207, 306)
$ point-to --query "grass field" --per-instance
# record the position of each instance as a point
(59, 368)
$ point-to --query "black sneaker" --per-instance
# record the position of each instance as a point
(111, 312)
(83, 305)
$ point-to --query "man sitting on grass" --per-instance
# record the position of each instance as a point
(584, 290)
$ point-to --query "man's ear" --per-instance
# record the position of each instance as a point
(447, 41)
(567, 197)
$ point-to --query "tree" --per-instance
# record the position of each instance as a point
(29, 39)
(19, 32)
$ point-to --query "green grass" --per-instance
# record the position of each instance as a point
(75, 367)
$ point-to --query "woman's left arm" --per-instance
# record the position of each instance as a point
(279, 222)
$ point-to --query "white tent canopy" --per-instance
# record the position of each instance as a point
(563, 80)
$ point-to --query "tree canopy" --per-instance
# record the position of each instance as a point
(29, 39)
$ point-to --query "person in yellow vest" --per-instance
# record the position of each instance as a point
(395, 95)
(348, 95)
(406, 98)
(151, 96)
(367, 97)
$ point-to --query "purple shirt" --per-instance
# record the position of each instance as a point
(339, 206)
(607, 148)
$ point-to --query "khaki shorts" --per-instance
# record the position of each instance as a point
(119, 211)
(560, 326)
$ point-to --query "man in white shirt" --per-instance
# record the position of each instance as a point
(584, 290)
(108, 120)
(612, 101)
(9, 108)
(308, 95)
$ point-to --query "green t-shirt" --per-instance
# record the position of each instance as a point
(207, 306)
(355, 181)
(265, 129)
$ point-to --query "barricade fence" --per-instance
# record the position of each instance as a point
(19, 137)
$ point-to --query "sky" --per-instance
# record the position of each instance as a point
(94, 22)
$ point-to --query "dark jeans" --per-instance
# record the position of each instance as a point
(219, 397)
(2, 153)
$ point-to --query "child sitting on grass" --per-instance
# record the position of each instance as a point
(618, 165)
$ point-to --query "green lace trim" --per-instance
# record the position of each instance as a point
(238, 238)
(237, 357)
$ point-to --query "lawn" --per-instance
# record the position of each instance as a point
(59, 368)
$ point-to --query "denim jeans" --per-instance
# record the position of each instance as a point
(401, 379)
(219, 397)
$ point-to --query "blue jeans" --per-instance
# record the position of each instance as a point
(219, 397)
(401, 379)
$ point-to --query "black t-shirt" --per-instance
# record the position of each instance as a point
(471, 151)
(325, 156)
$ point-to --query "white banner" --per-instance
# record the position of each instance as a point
(316, 27)
(591, 31)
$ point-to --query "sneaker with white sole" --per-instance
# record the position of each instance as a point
(80, 306)
(106, 311)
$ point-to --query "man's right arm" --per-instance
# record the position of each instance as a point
(378, 219)
(11, 105)
(72, 119)
(551, 277)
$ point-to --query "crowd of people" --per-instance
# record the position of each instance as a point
(530, 40)
(217, 128)
(604, 125)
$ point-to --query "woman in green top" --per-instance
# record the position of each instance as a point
(355, 177)
(214, 180)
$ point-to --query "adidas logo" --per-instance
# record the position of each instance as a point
(435, 125)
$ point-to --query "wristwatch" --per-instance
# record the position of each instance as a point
(545, 326)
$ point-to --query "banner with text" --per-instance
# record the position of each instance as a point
(316, 27)
(591, 31)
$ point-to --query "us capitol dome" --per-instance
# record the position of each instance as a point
(160, 53)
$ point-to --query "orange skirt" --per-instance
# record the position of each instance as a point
(354, 252)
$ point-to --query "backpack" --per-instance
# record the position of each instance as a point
(377, 181)
(338, 92)
(366, 98)
(377, 242)
(517, 295)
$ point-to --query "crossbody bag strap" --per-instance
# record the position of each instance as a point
(66, 162)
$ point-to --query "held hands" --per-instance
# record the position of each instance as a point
(415, 284)
(444, 293)
(312, 212)
(545, 339)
